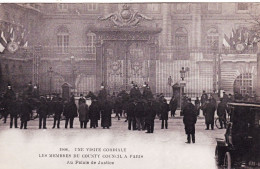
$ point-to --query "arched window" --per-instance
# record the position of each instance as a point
(212, 37)
(244, 84)
(63, 39)
(91, 40)
(181, 43)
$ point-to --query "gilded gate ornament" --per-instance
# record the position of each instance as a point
(125, 17)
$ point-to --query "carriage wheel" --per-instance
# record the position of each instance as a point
(219, 155)
(216, 155)
(227, 161)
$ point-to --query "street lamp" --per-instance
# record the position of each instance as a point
(182, 72)
(182, 85)
(182, 82)
(50, 71)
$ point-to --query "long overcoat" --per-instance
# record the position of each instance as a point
(43, 109)
(130, 110)
(173, 104)
(94, 111)
(139, 109)
(189, 118)
(164, 111)
(70, 110)
(26, 110)
(58, 109)
(83, 112)
(209, 112)
(106, 115)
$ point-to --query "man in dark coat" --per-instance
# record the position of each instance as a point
(83, 114)
(9, 96)
(94, 113)
(130, 110)
(221, 112)
(26, 110)
(58, 109)
(164, 114)
(139, 114)
(70, 112)
(43, 112)
(150, 114)
(106, 116)
(189, 120)
(209, 110)
(14, 110)
(173, 105)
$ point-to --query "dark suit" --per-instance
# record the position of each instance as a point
(14, 110)
(189, 120)
(70, 112)
(26, 110)
(209, 111)
(43, 111)
(164, 114)
(130, 110)
(150, 114)
(94, 114)
(58, 109)
(139, 115)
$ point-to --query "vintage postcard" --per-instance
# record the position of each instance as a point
(120, 85)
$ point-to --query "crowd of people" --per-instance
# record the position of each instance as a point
(140, 109)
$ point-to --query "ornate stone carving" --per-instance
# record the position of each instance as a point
(126, 17)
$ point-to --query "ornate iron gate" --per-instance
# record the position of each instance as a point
(126, 61)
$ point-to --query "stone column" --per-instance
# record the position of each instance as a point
(165, 23)
(196, 25)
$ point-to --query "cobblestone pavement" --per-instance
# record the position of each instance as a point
(165, 148)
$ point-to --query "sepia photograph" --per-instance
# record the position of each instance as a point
(130, 85)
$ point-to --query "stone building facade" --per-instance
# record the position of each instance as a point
(87, 44)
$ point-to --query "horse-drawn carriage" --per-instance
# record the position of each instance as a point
(241, 146)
